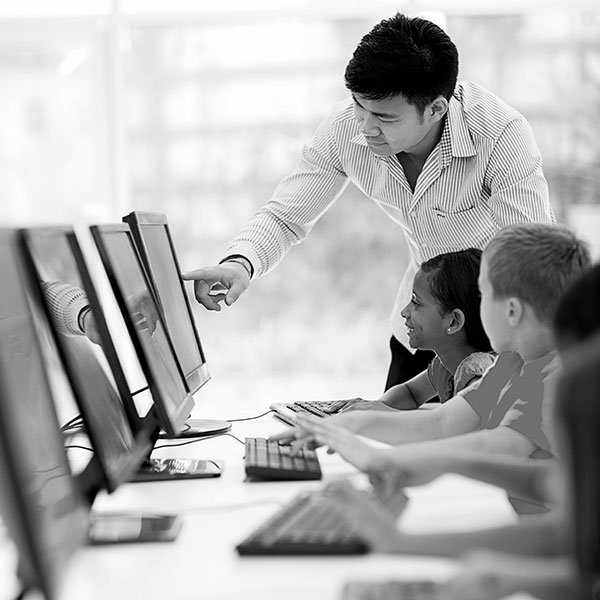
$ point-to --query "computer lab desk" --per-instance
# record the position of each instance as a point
(202, 563)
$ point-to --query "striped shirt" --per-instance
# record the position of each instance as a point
(484, 173)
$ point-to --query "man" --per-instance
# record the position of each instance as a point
(450, 164)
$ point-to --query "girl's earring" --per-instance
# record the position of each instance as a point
(449, 330)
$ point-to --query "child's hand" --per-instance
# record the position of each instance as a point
(324, 432)
(372, 521)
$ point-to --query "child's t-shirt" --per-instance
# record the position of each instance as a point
(470, 369)
(516, 394)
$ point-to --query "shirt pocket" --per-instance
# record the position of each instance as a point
(472, 226)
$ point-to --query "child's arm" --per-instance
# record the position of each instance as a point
(409, 395)
(493, 575)
(536, 534)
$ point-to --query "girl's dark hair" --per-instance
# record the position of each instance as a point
(404, 56)
(453, 279)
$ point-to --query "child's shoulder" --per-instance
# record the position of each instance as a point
(472, 368)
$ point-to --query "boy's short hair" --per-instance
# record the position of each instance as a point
(535, 263)
(411, 57)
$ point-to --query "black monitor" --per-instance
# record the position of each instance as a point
(119, 439)
(155, 245)
(147, 329)
(42, 508)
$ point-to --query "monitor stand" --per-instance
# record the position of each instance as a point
(127, 528)
(167, 469)
(198, 428)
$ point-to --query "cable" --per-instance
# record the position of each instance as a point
(249, 418)
(140, 390)
(200, 439)
(71, 423)
(80, 447)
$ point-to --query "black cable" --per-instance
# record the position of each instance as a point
(140, 390)
(80, 447)
(71, 423)
(249, 418)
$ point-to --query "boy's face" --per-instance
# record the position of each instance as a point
(493, 312)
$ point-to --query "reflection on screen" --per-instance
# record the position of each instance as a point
(31, 429)
(175, 310)
(88, 368)
(143, 313)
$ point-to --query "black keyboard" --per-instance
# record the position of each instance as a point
(307, 525)
(267, 459)
(319, 408)
(391, 590)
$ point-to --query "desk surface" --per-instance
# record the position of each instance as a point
(218, 513)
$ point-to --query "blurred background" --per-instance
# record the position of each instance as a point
(197, 108)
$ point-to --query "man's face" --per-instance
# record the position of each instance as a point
(493, 312)
(391, 125)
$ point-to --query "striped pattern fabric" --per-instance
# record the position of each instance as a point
(485, 173)
(65, 302)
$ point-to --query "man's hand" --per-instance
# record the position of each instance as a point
(224, 282)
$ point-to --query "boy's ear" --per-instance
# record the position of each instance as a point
(457, 321)
(514, 311)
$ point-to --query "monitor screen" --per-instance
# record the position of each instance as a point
(153, 239)
(111, 422)
(146, 325)
(42, 509)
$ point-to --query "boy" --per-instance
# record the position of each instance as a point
(525, 270)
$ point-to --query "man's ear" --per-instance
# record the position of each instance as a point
(437, 109)
(514, 310)
(457, 321)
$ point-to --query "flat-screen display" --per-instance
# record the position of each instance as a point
(98, 383)
(147, 328)
(39, 500)
(153, 239)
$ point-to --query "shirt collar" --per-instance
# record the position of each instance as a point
(456, 131)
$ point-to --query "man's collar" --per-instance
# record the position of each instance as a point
(457, 131)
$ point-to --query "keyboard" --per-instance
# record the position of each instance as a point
(391, 590)
(318, 408)
(308, 524)
(268, 459)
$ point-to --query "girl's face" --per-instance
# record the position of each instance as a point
(426, 325)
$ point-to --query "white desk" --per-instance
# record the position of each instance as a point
(218, 513)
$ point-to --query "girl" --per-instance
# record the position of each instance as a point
(443, 316)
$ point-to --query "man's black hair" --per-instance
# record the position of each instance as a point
(404, 56)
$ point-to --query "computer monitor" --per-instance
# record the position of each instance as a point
(147, 329)
(118, 437)
(155, 245)
(42, 508)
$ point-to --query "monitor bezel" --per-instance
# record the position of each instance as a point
(37, 569)
(129, 464)
(171, 423)
(137, 221)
